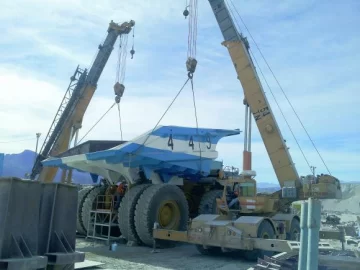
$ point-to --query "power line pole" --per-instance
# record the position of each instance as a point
(313, 170)
(37, 143)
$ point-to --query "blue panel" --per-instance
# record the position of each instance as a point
(94, 177)
(147, 172)
(166, 163)
(198, 135)
(54, 162)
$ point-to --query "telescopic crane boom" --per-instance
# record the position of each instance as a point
(69, 117)
(256, 101)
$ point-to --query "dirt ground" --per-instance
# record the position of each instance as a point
(187, 257)
(142, 258)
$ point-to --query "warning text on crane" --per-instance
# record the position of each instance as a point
(259, 114)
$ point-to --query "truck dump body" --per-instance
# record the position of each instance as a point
(90, 147)
(164, 153)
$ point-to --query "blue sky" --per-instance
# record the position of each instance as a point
(312, 47)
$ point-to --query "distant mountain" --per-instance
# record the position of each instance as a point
(18, 165)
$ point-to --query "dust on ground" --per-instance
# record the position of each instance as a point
(182, 256)
(350, 202)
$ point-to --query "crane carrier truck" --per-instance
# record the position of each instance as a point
(258, 216)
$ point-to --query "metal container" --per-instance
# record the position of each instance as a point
(19, 222)
(57, 230)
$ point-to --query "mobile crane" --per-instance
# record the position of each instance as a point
(68, 119)
(259, 216)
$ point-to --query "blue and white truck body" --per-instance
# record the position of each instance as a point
(167, 154)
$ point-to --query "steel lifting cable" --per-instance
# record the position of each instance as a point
(191, 66)
(273, 95)
(135, 153)
(119, 87)
(97, 122)
(197, 123)
(121, 133)
(191, 62)
(278, 83)
(123, 60)
(192, 35)
(282, 90)
(163, 115)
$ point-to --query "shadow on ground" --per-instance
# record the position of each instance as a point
(183, 256)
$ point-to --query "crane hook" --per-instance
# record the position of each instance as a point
(132, 52)
(186, 12)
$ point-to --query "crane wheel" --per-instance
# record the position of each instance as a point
(208, 202)
(294, 230)
(89, 204)
(126, 213)
(265, 231)
(80, 228)
(212, 251)
(162, 203)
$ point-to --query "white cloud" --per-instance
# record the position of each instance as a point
(39, 53)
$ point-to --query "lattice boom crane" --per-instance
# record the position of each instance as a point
(68, 119)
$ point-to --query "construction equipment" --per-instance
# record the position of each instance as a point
(165, 171)
(171, 172)
(69, 116)
(256, 215)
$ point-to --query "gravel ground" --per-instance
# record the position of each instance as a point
(141, 258)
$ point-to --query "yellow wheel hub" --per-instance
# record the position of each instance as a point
(169, 215)
(265, 235)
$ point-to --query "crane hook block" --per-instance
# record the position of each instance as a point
(191, 64)
(186, 13)
(132, 52)
(119, 89)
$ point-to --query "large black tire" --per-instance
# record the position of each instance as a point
(126, 214)
(294, 230)
(208, 202)
(89, 204)
(155, 198)
(265, 231)
(81, 229)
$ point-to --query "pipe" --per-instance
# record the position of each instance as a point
(246, 128)
(76, 137)
(72, 129)
(303, 236)
(249, 132)
(314, 218)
